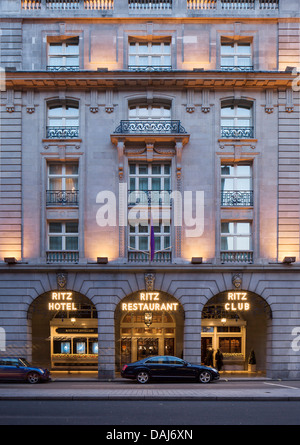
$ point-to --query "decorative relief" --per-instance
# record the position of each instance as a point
(62, 279)
(149, 281)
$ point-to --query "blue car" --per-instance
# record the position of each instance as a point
(17, 368)
(168, 367)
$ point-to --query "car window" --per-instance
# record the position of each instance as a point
(8, 362)
(175, 361)
(157, 360)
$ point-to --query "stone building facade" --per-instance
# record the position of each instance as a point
(126, 122)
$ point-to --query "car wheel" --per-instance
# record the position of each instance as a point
(204, 377)
(33, 378)
(142, 377)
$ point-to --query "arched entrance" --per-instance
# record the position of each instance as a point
(236, 323)
(148, 323)
(63, 330)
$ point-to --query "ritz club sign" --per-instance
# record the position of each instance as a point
(62, 301)
(149, 301)
(237, 301)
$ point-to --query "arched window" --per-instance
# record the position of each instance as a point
(63, 120)
(237, 120)
(149, 112)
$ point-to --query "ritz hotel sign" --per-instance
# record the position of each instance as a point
(61, 301)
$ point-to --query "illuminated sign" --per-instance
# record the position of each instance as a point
(62, 301)
(149, 301)
(237, 301)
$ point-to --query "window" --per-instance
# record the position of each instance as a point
(63, 121)
(235, 236)
(63, 236)
(62, 184)
(236, 121)
(236, 56)
(236, 185)
(139, 237)
(63, 56)
(149, 56)
(151, 112)
(149, 184)
(230, 345)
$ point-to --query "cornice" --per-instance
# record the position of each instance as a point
(126, 79)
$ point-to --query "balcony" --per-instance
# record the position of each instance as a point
(54, 257)
(237, 132)
(241, 5)
(62, 198)
(164, 256)
(149, 197)
(67, 5)
(237, 68)
(62, 68)
(150, 127)
(237, 198)
(62, 132)
(236, 257)
(147, 68)
(140, 5)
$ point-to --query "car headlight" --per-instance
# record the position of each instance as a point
(215, 370)
(42, 371)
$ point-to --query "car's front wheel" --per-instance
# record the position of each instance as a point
(33, 378)
(205, 377)
(143, 377)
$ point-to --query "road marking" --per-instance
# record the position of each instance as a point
(283, 386)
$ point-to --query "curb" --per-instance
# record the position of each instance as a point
(153, 398)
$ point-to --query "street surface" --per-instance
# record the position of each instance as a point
(124, 403)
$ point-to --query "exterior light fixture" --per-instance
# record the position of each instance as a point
(197, 260)
(102, 260)
(148, 319)
(73, 320)
(223, 320)
(10, 260)
(289, 259)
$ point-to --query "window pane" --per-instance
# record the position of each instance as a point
(55, 169)
(143, 169)
(243, 170)
(55, 227)
(55, 184)
(156, 48)
(55, 243)
(227, 184)
(72, 48)
(243, 184)
(243, 228)
(243, 243)
(72, 61)
(71, 169)
(143, 243)
(156, 169)
(55, 111)
(227, 61)
(55, 48)
(71, 243)
(227, 48)
(244, 48)
(72, 227)
(244, 61)
(71, 184)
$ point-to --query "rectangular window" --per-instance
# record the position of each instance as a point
(236, 185)
(147, 56)
(236, 56)
(63, 236)
(236, 236)
(63, 56)
(231, 345)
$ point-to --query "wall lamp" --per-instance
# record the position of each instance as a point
(10, 260)
(289, 259)
(102, 260)
(197, 260)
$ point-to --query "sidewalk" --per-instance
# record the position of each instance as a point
(242, 390)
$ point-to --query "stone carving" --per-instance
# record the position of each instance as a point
(62, 278)
(237, 280)
(149, 281)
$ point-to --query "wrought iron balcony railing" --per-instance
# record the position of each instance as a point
(237, 198)
(237, 68)
(196, 5)
(62, 68)
(149, 197)
(68, 4)
(62, 256)
(150, 127)
(151, 68)
(62, 132)
(237, 132)
(163, 256)
(62, 198)
(149, 4)
(237, 257)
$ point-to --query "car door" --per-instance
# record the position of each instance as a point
(158, 367)
(10, 369)
(180, 369)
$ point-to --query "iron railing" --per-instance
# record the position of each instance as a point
(62, 256)
(237, 68)
(237, 257)
(237, 132)
(144, 68)
(62, 68)
(149, 4)
(62, 197)
(163, 256)
(62, 132)
(149, 197)
(237, 198)
(150, 127)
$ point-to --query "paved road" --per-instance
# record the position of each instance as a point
(123, 415)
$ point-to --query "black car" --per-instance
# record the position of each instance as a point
(17, 368)
(168, 367)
